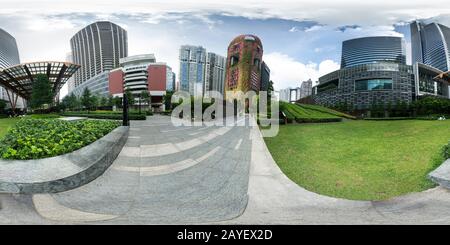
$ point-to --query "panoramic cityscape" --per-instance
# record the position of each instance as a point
(91, 100)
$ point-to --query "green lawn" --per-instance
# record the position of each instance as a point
(5, 123)
(364, 160)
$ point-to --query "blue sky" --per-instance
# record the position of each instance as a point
(302, 39)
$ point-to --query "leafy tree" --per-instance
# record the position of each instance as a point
(130, 98)
(86, 100)
(168, 100)
(110, 101)
(270, 90)
(117, 101)
(403, 107)
(2, 106)
(94, 101)
(42, 92)
(103, 101)
(144, 96)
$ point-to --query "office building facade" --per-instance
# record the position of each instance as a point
(305, 89)
(192, 69)
(371, 74)
(98, 48)
(135, 69)
(214, 73)
(284, 94)
(364, 85)
(98, 85)
(430, 45)
(170, 80)
(265, 77)
(367, 50)
(9, 56)
(140, 73)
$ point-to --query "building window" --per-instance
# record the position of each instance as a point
(331, 85)
(256, 63)
(373, 84)
(234, 60)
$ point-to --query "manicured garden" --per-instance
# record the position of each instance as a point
(40, 138)
(363, 160)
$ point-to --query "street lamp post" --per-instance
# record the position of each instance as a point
(126, 121)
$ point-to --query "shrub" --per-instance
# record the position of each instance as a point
(447, 151)
(432, 105)
(42, 116)
(40, 138)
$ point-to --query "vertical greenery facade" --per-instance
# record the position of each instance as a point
(247, 49)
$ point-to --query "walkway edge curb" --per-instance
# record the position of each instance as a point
(441, 175)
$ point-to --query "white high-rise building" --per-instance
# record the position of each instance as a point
(285, 94)
(71, 81)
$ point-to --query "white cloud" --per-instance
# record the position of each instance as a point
(313, 28)
(288, 72)
(328, 12)
(293, 29)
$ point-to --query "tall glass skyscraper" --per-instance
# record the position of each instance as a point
(373, 49)
(192, 69)
(430, 44)
(9, 55)
(98, 48)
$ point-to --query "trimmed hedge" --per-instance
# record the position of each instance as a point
(447, 151)
(42, 116)
(299, 114)
(41, 138)
(107, 116)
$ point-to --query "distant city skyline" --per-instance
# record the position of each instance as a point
(301, 39)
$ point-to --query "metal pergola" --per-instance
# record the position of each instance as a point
(19, 79)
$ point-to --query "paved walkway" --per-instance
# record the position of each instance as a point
(164, 174)
(208, 175)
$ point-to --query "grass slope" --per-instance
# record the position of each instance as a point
(364, 160)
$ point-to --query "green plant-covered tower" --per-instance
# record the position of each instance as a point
(244, 61)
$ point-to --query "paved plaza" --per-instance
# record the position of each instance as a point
(208, 175)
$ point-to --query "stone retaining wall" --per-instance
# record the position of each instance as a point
(65, 172)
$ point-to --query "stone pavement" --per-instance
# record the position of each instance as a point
(208, 175)
(164, 174)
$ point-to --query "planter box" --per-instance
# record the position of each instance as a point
(64, 172)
